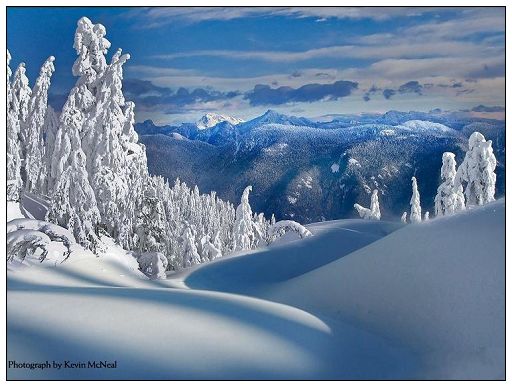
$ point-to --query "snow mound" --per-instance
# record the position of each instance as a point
(436, 288)
(209, 120)
(27, 238)
(244, 273)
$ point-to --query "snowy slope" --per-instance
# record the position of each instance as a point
(437, 288)
(102, 308)
(94, 309)
(358, 300)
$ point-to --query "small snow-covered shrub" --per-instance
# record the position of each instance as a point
(27, 234)
(153, 265)
(25, 243)
(280, 228)
(372, 213)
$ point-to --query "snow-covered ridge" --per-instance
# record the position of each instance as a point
(427, 126)
(211, 119)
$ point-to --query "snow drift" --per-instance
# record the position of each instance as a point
(357, 300)
(437, 288)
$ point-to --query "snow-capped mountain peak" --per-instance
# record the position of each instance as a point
(211, 119)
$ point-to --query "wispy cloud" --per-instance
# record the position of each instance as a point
(155, 17)
(401, 48)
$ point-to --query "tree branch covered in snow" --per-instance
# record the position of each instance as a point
(280, 228)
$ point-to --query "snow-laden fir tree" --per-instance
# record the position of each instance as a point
(190, 254)
(373, 212)
(50, 128)
(151, 223)
(403, 219)
(244, 228)
(108, 159)
(209, 251)
(18, 99)
(14, 182)
(34, 165)
(415, 203)
(476, 172)
(136, 174)
(449, 198)
(74, 204)
(21, 93)
(426, 216)
(115, 166)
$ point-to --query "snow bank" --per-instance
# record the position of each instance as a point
(436, 287)
(249, 272)
(13, 210)
(25, 236)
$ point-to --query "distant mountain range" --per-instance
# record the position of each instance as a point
(315, 170)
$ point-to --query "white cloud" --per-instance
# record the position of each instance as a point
(158, 16)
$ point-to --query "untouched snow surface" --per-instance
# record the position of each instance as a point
(357, 300)
(437, 288)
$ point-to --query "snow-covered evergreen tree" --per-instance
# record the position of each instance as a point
(18, 100)
(244, 228)
(14, 182)
(74, 202)
(209, 251)
(415, 203)
(449, 198)
(190, 254)
(477, 171)
(107, 159)
(21, 93)
(50, 128)
(151, 223)
(34, 165)
(403, 219)
(373, 212)
(426, 216)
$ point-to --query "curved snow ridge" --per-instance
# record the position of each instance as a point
(247, 272)
(206, 334)
(436, 287)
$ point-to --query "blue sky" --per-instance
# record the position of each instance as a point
(301, 61)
